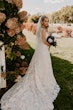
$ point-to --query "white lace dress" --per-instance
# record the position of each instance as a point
(38, 89)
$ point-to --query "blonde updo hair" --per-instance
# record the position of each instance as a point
(43, 18)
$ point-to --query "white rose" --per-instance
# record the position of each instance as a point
(22, 57)
(50, 40)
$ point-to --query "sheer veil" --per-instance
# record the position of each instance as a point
(38, 29)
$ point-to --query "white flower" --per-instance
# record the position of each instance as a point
(50, 40)
(22, 57)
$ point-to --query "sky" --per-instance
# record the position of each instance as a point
(44, 6)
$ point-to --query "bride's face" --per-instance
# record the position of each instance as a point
(45, 22)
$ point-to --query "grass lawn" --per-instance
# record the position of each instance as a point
(63, 71)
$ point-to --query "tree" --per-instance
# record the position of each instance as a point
(65, 15)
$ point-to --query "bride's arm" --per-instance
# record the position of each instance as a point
(52, 30)
(43, 32)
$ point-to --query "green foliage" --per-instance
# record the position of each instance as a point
(10, 62)
(10, 10)
(35, 19)
(63, 71)
(65, 15)
(2, 5)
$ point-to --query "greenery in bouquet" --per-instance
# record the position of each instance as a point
(18, 52)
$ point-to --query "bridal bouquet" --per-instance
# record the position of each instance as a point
(51, 40)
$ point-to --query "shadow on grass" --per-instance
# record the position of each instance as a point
(63, 71)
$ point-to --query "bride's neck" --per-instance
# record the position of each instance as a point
(46, 28)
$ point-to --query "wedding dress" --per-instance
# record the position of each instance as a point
(38, 89)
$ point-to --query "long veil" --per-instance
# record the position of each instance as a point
(38, 29)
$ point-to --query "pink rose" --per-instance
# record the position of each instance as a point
(25, 46)
(24, 64)
(2, 17)
(12, 23)
(22, 15)
(11, 32)
(22, 26)
(60, 29)
(68, 32)
(20, 40)
(17, 29)
(23, 70)
(18, 3)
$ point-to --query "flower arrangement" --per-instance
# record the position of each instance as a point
(18, 3)
(60, 29)
(68, 32)
(51, 40)
(18, 53)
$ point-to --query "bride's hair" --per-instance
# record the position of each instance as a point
(42, 19)
(40, 25)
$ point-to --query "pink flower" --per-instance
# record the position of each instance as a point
(3, 74)
(18, 3)
(22, 26)
(60, 29)
(2, 17)
(24, 64)
(17, 29)
(12, 23)
(18, 53)
(21, 41)
(68, 32)
(22, 15)
(25, 46)
(11, 32)
(23, 70)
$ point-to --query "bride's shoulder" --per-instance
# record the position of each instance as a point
(43, 30)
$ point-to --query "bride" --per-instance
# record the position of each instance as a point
(38, 89)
